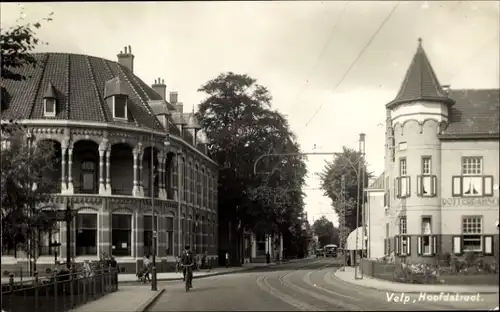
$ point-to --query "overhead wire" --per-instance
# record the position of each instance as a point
(386, 19)
(323, 50)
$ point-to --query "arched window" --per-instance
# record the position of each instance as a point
(187, 167)
(193, 184)
(198, 186)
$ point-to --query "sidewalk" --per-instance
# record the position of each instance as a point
(126, 299)
(379, 284)
(172, 276)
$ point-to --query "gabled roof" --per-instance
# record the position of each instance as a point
(378, 184)
(476, 114)
(420, 82)
(80, 82)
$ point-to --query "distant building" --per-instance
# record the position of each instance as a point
(441, 170)
(375, 218)
(106, 125)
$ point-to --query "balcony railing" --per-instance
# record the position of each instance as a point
(121, 191)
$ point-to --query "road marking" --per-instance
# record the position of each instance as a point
(307, 279)
(302, 306)
(346, 306)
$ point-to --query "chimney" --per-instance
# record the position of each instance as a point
(126, 58)
(173, 97)
(160, 88)
(446, 89)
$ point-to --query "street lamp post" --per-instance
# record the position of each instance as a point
(361, 204)
(154, 225)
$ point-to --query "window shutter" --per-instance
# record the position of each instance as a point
(385, 199)
(396, 245)
(456, 186)
(408, 186)
(419, 245)
(488, 245)
(488, 185)
(397, 184)
(385, 246)
(434, 245)
(434, 185)
(457, 245)
(419, 185)
(408, 245)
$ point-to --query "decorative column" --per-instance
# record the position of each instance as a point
(135, 190)
(108, 171)
(102, 188)
(70, 189)
(141, 182)
(64, 185)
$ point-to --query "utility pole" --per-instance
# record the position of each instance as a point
(360, 198)
(342, 220)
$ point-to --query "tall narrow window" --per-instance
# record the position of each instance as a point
(472, 181)
(402, 167)
(425, 178)
(426, 236)
(119, 107)
(402, 225)
(121, 234)
(86, 234)
(472, 230)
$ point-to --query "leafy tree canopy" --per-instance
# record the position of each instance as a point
(344, 164)
(17, 44)
(241, 126)
(27, 177)
(326, 231)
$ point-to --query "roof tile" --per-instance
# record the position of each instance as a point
(476, 111)
(420, 82)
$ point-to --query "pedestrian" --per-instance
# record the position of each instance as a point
(227, 259)
(146, 265)
(114, 268)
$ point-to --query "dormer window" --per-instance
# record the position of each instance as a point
(50, 102)
(120, 107)
(49, 107)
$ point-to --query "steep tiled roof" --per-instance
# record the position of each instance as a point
(79, 85)
(475, 113)
(378, 184)
(420, 82)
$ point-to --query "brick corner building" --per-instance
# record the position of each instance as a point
(110, 131)
(440, 184)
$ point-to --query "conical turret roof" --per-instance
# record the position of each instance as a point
(420, 82)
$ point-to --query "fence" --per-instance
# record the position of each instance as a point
(60, 292)
(377, 269)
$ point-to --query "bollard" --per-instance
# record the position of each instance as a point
(109, 278)
(11, 282)
(55, 292)
(71, 288)
(36, 290)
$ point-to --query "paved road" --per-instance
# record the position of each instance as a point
(300, 286)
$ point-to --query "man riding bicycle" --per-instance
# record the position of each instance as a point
(187, 261)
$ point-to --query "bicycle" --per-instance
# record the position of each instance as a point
(189, 276)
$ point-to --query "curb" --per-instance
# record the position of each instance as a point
(209, 274)
(150, 301)
(416, 290)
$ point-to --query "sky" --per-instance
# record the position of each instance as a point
(327, 65)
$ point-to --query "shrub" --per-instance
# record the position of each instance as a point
(417, 274)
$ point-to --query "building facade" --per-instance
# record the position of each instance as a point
(123, 149)
(441, 168)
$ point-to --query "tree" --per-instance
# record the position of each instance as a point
(344, 164)
(27, 177)
(17, 44)
(240, 126)
(326, 231)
